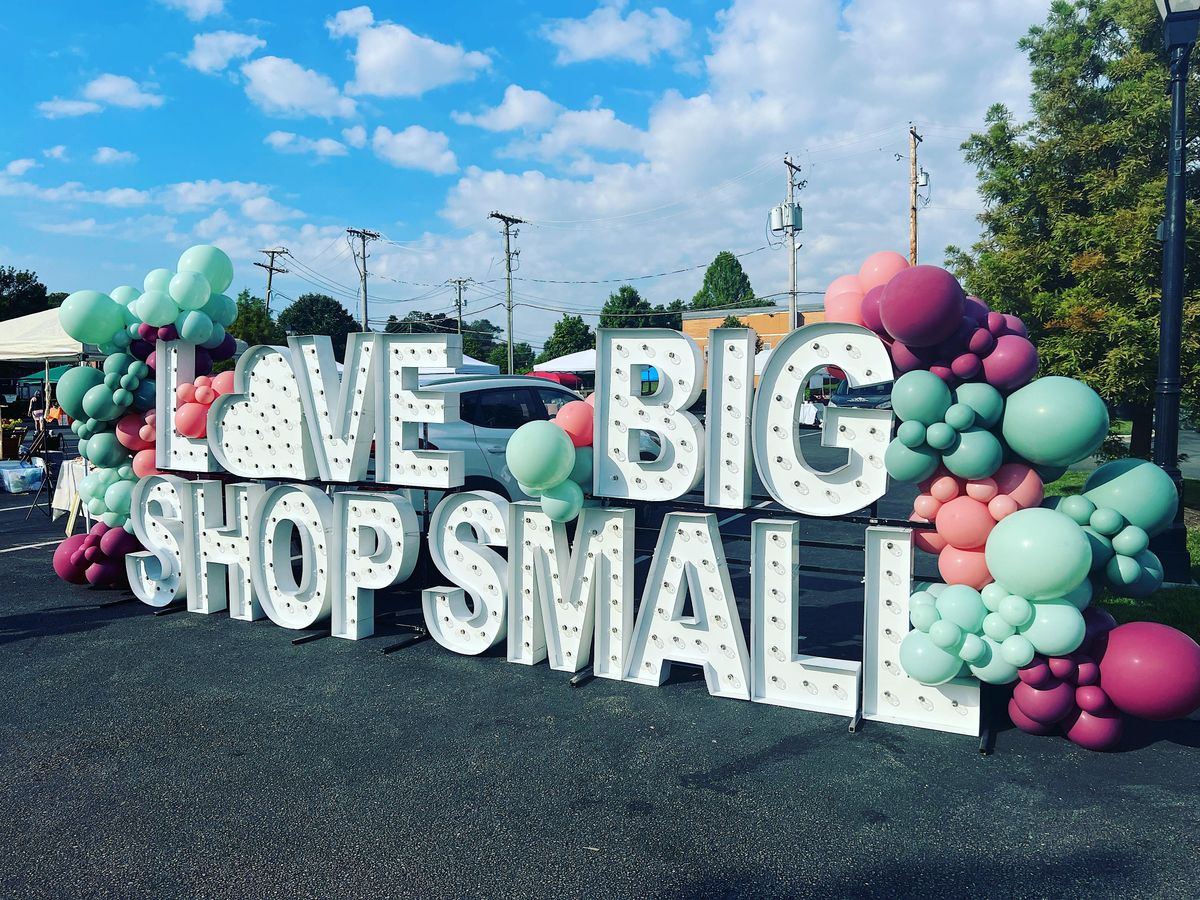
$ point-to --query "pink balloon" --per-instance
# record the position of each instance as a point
(927, 506)
(844, 307)
(879, 268)
(143, 463)
(982, 489)
(929, 541)
(844, 283)
(965, 523)
(129, 432)
(185, 393)
(964, 567)
(1026, 724)
(1095, 732)
(146, 433)
(192, 420)
(1151, 670)
(1021, 483)
(223, 383)
(590, 400)
(205, 394)
(1047, 705)
(945, 487)
(203, 381)
(1002, 506)
(576, 419)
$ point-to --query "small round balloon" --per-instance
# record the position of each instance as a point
(540, 454)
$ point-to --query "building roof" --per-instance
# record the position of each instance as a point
(801, 306)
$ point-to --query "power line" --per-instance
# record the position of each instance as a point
(632, 277)
(272, 268)
(361, 262)
(509, 234)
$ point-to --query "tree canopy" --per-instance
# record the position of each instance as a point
(479, 339)
(571, 334)
(522, 358)
(726, 285)
(21, 293)
(254, 323)
(319, 314)
(626, 308)
(1074, 198)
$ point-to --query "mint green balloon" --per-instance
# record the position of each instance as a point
(1107, 521)
(194, 326)
(156, 308)
(96, 506)
(962, 605)
(923, 616)
(995, 669)
(941, 436)
(214, 339)
(1130, 541)
(1017, 651)
(992, 594)
(910, 463)
(118, 363)
(91, 317)
(1102, 548)
(1039, 554)
(977, 455)
(946, 635)
(1078, 507)
(1151, 578)
(221, 309)
(1081, 597)
(1016, 610)
(986, 402)
(158, 280)
(997, 627)
(1140, 491)
(1055, 421)
(540, 454)
(563, 501)
(125, 294)
(190, 290)
(973, 650)
(911, 434)
(105, 450)
(117, 497)
(73, 387)
(210, 262)
(920, 396)
(98, 403)
(925, 661)
(529, 491)
(1057, 628)
(960, 417)
(581, 472)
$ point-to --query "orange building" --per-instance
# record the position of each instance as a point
(770, 322)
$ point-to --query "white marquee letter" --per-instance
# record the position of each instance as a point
(156, 574)
(339, 409)
(379, 538)
(176, 364)
(729, 404)
(290, 602)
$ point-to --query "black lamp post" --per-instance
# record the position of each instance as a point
(1181, 23)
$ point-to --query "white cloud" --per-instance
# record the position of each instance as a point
(355, 136)
(108, 155)
(214, 51)
(519, 109)
(19, 167)
(74, 192)
(58, 108)
(282, 87)
(137, 228)
(576, 131)
(77, 227)
(120, 90)
(58, 151)
(415, 148)
(196, 9)
(288, 142)
(192, 195)
(392, 61)
(637, 37)
(264, 209)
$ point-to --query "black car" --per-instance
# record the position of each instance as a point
(875, 396)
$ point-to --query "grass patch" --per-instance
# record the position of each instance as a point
(1121, 426)
(1070, 483)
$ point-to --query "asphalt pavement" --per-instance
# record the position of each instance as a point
(182, 755)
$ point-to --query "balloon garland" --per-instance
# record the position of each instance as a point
(112, 407)
(981, 438)
(552, 460)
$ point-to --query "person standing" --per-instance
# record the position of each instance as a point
(37, 409)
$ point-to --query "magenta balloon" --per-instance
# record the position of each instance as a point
(106, 573)
(1011, 364)
(981, 341)
(1063, 667)
(922, 306)
(128, 431)
(64, 568)
(1091, 698)
(147, 333)
(976, 310)
(1015, 325)
(1151, 671)
(1047, 705)
(870, 309)
(907, 359)
(945, 373)
(168, 333)
(965, 366)
(1087, 673)
(1026, 724)
(152, 360)
(1037, 674)
(995, 323)
(93, 554)
(118, 542)
(1094, 732)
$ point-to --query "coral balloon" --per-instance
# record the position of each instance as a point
(576, 418)
(143, 463)
(964, 567)
(844, 307)
(965, 523)
(223, 382)
(1151, 670)
(878, 269)
(191, 420)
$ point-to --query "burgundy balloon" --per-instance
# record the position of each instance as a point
(168, 333)
(1095, 732)
(226, 348)
(922, 305)
(870, 309)
(1011, 364)
(64, 566)
(981, 342)
(976, 310)
(1087, 673)
(106, 572)
(1091, 698)
(97, 557)
(118, 542)
(1015, 325)
(907, 359)
(147, 332)
(1026, 724)
(1097, 622)
(204, 362)
(1037, 674)
(945, 373)
(1063, 667)
(1047, 705)
(965, 366)
(1151, 671)
(141, 349)
(996, 324)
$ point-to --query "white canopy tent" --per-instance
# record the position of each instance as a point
(39, 337)
(583, 361)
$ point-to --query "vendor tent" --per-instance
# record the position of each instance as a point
(583, 361)
(39, 337)
(39, 377)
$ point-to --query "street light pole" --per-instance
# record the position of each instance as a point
(1181, 22)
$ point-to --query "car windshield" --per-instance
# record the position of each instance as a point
(874, 390)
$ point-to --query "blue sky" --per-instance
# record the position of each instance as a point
(637, 138)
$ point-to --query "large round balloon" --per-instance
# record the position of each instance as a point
(920, 396)
(1151, 670)
(922, 306)
(1140, 491)
(540, 454)
(1055, 421)
(879, 268)
(210, 262)
(73, 387)
(91, 317)
(575, 418)
(1038, 554)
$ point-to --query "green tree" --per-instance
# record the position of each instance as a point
(254, 323)
(479, 339)
(735, 322)
(626, 308)
(571, 334)
(522, 357)
(1074, 198)
(54, 299)
(417, 322)
(319, 314)
(21, 293)
(725, 286)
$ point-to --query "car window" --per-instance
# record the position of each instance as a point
(502, 408)
(554, 400)
(875, 390)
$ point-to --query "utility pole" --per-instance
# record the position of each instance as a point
(458, 283)
(793, 172)
(271, 268)
(913, 140)
(509, 234)
(363, 235)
